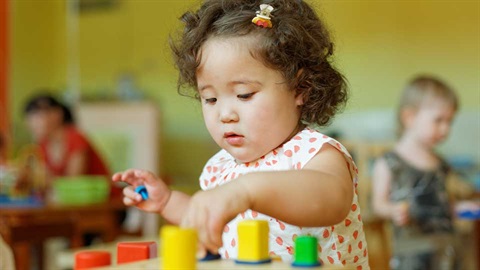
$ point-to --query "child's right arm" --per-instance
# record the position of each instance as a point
(170, 204)
(382, 206)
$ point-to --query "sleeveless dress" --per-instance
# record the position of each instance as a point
(341, 244)
(427, 242)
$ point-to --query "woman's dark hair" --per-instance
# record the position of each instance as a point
(43, 102)
(298, 45)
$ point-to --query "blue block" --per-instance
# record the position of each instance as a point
(210, 257)
(142, 190)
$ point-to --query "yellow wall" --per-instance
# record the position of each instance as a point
(37, 47)
(380, 44)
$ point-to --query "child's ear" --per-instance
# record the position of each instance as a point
(407, 116)
(299, 95)
(299, 99)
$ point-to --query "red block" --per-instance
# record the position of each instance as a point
(135, 251)
(90, 259)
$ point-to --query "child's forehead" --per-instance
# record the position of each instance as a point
(228, 48)
(246, 42)
(435, 98)
(436, 102)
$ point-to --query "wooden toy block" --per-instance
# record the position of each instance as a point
(253, 242)
(306, 252)
(178, 249)
(135, 251)
(91, 258)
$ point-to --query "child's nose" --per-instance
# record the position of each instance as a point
(228, 114)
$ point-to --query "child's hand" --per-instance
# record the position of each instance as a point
(209, 211)
(400, 215)
(158, 192)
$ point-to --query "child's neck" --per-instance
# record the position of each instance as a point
(417, 153)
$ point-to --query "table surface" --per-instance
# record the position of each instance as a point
(24, 225)
(219, 264)
(32, 206)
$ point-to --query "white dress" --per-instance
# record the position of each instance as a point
(340, 244)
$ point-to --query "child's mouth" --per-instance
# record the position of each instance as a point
(233, 139)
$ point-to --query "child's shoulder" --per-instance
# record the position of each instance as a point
(312, 141)
(308, 143)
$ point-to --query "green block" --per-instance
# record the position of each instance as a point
(306, 254)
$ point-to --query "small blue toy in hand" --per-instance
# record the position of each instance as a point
(142, 190)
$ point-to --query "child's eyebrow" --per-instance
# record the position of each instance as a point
(203, 87)
(245, 82)
(232, 83)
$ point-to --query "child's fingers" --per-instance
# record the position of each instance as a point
(125, 176)
(201, 251)
(401, 218)
(216, 231)
(129, 177)
(130, 196)
(116, 177)
(135, 177)
(206, 240)
(129, 202)
(204, 233)
(211, 245)
(148, 177)
(194, 218)
(130, 193)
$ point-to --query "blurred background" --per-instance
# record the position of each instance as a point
(110, 59)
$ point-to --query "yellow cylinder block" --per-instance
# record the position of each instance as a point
(178, 248)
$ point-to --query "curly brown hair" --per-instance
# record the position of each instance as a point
(298, 45)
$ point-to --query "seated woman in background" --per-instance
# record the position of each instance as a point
(64, 149)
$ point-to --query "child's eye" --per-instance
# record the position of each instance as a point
(245, 96)
(210, 100)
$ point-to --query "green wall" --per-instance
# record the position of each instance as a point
(380, 44)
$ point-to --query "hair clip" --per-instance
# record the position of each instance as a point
(263, 16)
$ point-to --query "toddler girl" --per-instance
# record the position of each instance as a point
(262, 71)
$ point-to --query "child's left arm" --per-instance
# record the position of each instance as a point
(318, 195)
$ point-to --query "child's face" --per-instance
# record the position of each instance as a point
(432, 121)
(248, 108)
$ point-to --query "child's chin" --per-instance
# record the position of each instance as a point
(242, 158)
